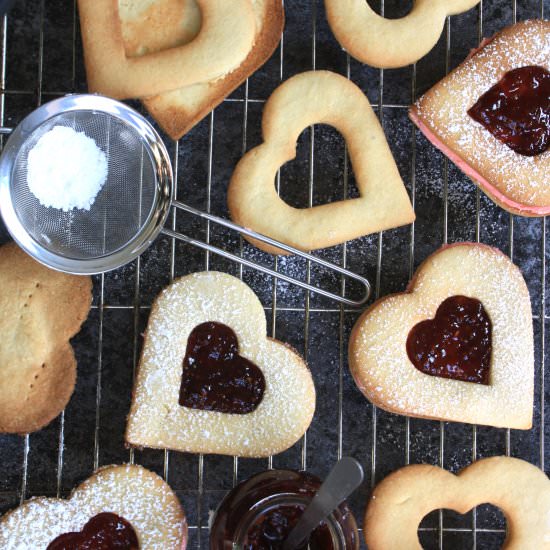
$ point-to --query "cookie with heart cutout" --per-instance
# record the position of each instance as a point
(210, 381)
(40, 311)
(178, 22)
(390, 43)
(491, 116)
(303, 100)
(400, 502)
(225, 39)
(457, 345)
(122, 506)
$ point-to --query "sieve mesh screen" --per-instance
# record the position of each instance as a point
(121, 208)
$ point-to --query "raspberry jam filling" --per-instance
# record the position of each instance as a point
(105, 531)
(455, 344)
(516, 110)
(215, 377)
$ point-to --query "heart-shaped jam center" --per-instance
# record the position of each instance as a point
(215, 377)
(516, 110)
(105, 531)
(455, 344)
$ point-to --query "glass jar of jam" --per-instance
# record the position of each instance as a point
(259, 513)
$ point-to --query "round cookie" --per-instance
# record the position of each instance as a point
(184, 389)
(135, 494)
(400, 502)
(390, 43)
(381, 365)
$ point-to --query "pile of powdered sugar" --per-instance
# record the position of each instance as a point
(66, 169)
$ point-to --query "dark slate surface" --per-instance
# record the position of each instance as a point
(447, 206)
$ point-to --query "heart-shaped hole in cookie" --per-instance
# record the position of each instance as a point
(456, 343)
(516, 110)
(215, 377)
(105, 530)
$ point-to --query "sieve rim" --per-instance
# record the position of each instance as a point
(163, 192)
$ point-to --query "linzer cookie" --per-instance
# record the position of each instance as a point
(305, 99)
(491, 117)
(125, 507)
(457, 345)
(390, 43)
(40, 310)
(400, 502)
(225, 38)
(210, 381)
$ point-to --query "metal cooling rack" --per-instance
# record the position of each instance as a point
(440, 532)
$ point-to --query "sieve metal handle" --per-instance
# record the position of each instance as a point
(302, 284)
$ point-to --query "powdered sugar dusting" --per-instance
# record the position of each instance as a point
(156, 418)
(444, 111)
(384, 372)
(134, 493)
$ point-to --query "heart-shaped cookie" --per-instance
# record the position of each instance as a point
(384, 372)
(225, 39)
(390, 43)
(40, 311)
(157, 419)
(179, 110)
(516, 182)
(305, 99)
(400, 502)
(139, 500)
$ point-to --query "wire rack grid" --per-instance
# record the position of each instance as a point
(41, 59)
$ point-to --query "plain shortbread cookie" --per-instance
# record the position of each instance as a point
(401, 500)
(40, 311)
(310, 98)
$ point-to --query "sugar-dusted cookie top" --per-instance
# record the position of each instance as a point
(209, 379)
(40, 310)
(446, 114)
(400, 502)
(125, 498)
(457, 345)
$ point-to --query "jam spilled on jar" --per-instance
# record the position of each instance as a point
(270, 530)
(215, 377)
(516, 110)
(455, 344)
(105, 531)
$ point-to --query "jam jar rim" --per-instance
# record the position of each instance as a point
(291, 499)
(248, 486)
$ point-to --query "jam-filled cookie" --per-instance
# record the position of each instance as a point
(40, 311)
(457, 345)
(491, 117)
(126, 507)
(210, 381)
(519, 489)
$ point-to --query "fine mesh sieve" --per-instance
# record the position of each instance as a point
(127, 213)
(130, 209)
